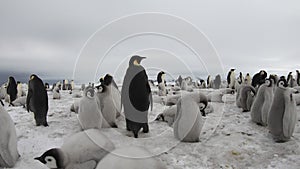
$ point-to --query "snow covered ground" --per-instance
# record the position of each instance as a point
(228, 139)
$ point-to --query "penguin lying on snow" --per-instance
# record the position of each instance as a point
(82, 150)
(8, 140)
(262, 103)
(283, 114)
(189, 122)
(168, 115)
(130, 158)
(56, 93)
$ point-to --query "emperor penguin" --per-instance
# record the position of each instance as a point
(107, 106)
(37, 100)
(136, 96)
(89, 114)
(240, 79)
(162, 91)
(297, 78)
(56, 93)
(12, 89)
(217, 82)
(290, 80)
(3, 91)
(248, 80)
(168, 115)
(115, 94)
(132, 157)
(246, 97)
(82, 150)
(259, 78)
(20, 91)
(262, 103)
(283, 114)
(209, 82)
(189, 122)
(8, 140)
(179, 81)
(231, 79)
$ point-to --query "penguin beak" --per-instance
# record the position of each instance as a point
(40, 159)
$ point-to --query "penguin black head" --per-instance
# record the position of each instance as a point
(107, 79)
(282, 83)
(32, 76)
(135, 60)
(101, 88)
(52, 158)
(232, 70)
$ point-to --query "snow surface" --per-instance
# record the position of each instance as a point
(228, 140)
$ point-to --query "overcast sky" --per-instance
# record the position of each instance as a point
(188, 37)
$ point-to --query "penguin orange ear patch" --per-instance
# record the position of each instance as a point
(31, 77)
(135, 62)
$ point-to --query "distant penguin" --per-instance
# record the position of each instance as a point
(246, 97)
(56, 93)
(231, 79)
(283, 114)
(75, 106)
(82, 150)
(240, 79)
(209, 82)
(82, 87)
(217, 82)
(37, 100)
(47, 87)
(136, 96)
(12, 89)
(297, 77)
(130, 158)
(20, 91)
(290, 80)
(162, 91)
(72, 85)
(262, 103)
(248, 79)
(107, 106)
(189, 122)
(259, 79)
(8, 140)
(89, 114)
(179, 81)
(3, 91)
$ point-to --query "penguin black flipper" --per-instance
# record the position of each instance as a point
(29, 95)
(150, 94)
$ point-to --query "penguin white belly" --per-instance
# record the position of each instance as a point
(130, 158)
(89, 114)
(109, 113)
(188, 123)
(87, 145)
(8, 140)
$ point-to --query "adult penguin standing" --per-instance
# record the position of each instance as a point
(12, 89)
(37, 100)
(136, 96)
(231, 78)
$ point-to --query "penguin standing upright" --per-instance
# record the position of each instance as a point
(246, 97)
(136, 96)
(12, 89)
(89, 113)
(56, 93)
(162, 91)
(37, 100)
(8, 140)
(217, 82)
(248, 80)
(297, 77)
(283, 114)
(20, 91)
(262, 103)
(290, 80)
(179, 81)
(209, 82)
(240, 79)
(231, 79)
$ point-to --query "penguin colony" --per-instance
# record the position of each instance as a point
(271, 102)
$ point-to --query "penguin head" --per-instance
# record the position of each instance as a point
(107, 79)
(282, 83)
(89, 92)
(269, 82)
(52, 158)
(101, 88)
(232, 70)
(32, 76)
(135, 60)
